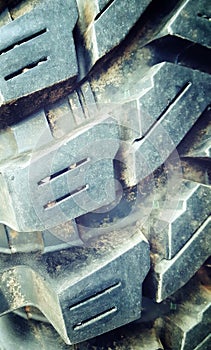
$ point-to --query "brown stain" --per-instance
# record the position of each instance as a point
(14, 288)
(13, 234)
(17, 110)
(89, 12)
(64, 231)
(52, 120)
(204, 276)
(27, 308)
(23, 8)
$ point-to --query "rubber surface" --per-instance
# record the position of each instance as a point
(105, 133)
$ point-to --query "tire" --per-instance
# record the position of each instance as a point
(105, 174)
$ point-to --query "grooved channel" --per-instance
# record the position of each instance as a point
(176, 98)
(172, 103)
(26, 68)
(68, 169)
(96, 296)
(24, 40)
(62, 199)
(104, 9)
(94, 319)
(201, 15)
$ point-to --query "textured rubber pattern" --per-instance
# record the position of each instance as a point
(35, 47)
(103, 25)
(189, 319)
(105, 174)
(179, 327)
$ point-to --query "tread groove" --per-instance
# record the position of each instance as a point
(24, 40)
(171, 104)
(96, 296)
(26, 68)
(104, 9)
(62, 199)
(63, 171)
(94, 319)
(203, 16)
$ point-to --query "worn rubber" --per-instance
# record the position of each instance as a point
(135, 79)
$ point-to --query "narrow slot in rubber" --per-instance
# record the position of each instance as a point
(177, 97)
(22, 41)
(95, 319)
(202, 15)
(62, 199)
(171, 104)
(104, 9)
(63, 171)
(26, 68)
(96, 296)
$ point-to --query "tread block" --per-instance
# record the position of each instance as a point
(197, 143)
(19, 294)
(78, 308)
(104, 301)
(169, 275)
(36, 47)
(191, 21)
(108, 24)
(71, 177)
(174, 227)
(108, 36)
(188, 328)
(186, 94)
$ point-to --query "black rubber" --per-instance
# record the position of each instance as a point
(105, 174)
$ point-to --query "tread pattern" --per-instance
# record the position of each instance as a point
(62, 182)
(83, 306)
(179, 218)
(188, 328)
(172, 122)
(35, 47)
(194, 15)
(108, 24)
(157, 102)
(169, 275)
